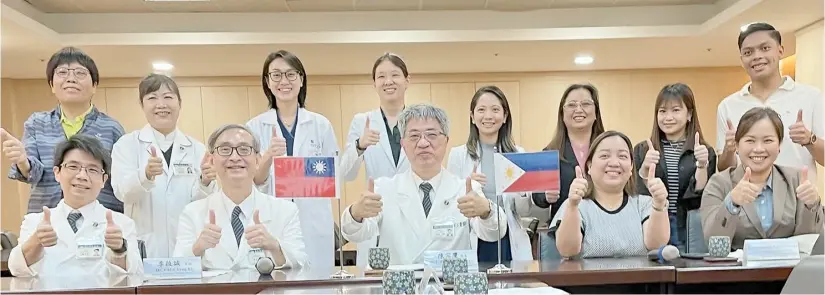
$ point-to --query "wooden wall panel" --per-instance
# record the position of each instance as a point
(223, 105)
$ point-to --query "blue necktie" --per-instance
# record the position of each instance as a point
(73, 218)
(237, 225)
(426, 188)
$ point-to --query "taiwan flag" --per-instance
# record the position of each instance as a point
(305, 177)
(526, 172)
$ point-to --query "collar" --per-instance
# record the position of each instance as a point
(788, 84)
(769, 182)
(149, 134)
(435, 181)
(77, 119)
(247, 205)
(164, 141)
(87, 211)
(271, 117)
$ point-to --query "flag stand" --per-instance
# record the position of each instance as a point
(498, 268)
(341, 274)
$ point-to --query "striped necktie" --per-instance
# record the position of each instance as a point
(237, 225)
(73, 218)
(426, 188)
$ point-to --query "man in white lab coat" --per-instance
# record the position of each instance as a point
(238, 225)
(158, 169)
(79, 235)
(425, 208)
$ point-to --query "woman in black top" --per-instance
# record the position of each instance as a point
(683, 160)
(579, 122)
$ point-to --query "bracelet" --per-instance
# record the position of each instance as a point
(701, 166)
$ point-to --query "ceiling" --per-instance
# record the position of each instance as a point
(665, 34)
(141, 6)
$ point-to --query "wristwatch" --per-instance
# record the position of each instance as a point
(812, 140)
(358, 145)
(122, 248)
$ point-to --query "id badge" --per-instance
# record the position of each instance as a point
(89, 248)
(255, 254)
(184, 169)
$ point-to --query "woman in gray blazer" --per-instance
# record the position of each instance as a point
(758, 199)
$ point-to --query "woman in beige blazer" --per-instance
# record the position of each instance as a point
(758, 199)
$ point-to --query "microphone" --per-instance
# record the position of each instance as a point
(265, 266)
(664, 254)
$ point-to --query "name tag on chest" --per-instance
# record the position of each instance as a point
(448, 230)
(90, 248)
(183, 169)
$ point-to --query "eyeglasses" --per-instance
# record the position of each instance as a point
(585, 105)
(276, 76)
(91, 171)
(79, 73)
(242, 151)
(431, 136)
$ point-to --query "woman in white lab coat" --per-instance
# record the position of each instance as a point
(157, 170)
(491, 132)
(288, 129)
(374, 137)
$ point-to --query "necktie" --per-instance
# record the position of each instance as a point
(73, 218)
(426, 188)
(237, 225)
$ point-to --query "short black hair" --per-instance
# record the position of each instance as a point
(68, 55)
(89, 144)
(760, 27)
(293, 61)
(153, 82)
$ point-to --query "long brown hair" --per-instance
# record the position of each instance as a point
(504, 142)
(560, 138)
(679, 92)
(630, 186)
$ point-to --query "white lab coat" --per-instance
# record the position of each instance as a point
(406, 231)
(314, 137)
(461, 165)
(156, 205)
(280, 217)
(61, 259)
(378, 158)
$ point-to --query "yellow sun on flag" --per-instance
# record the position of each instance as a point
(509, 172)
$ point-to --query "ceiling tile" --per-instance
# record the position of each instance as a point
(518, 5)
(318, 5)
(192, 6)
(453, 4)
(128, 6)
(251, 5)
(54, 6)
(584, 3)
(387, 5)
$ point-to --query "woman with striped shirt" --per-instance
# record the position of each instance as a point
(683, 160)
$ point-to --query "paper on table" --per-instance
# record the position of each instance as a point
(526, 291)
(806, 242)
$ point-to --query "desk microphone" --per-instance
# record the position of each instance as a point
(664, 254)
(265, 266)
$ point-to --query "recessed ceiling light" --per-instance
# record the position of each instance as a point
(162, 66)
(583, 60)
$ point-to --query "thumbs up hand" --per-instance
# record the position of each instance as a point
(730, 136)
(700, 152)
(651, 158)
(209, 237)
(113, 236)
(478, 177)
(45, 234)
(806, 191)
(369, 205)
(208, 173)
(277, 145)
(369, 137)
(471, 204)
(656, 188)
(745, 191)
(13, 148)
(798, 132)
(154, 166)
(257, 236)
(578, 188)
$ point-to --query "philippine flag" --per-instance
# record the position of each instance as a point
(305, 177)
(526, 172)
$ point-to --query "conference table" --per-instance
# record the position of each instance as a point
(568, 275)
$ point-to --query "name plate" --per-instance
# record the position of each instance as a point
(770, 249)
(434, 259)
(172, 268)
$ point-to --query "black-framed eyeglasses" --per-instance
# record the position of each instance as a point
(291, 75)
(226, 151)
(76, 168)
(431, 136)
(79, 73)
